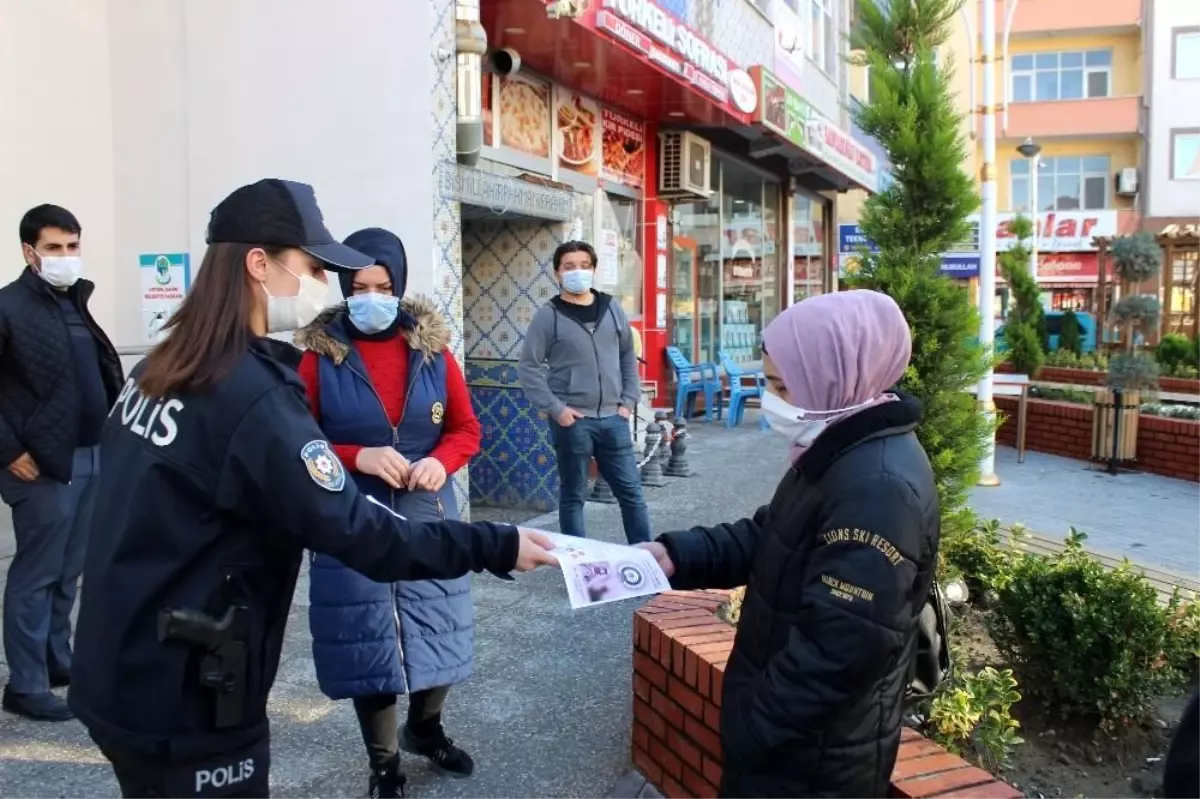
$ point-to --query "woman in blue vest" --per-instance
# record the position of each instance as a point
(393, 402)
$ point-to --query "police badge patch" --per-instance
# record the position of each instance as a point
(323, 466)
(437, 413)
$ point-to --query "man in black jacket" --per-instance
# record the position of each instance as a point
(59, 375)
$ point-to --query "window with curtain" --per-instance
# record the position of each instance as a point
(1071, 75)
(1065, 183)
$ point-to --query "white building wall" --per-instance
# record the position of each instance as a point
(149, 112)
(1173, 104)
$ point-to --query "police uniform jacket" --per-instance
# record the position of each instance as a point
(207, 501)
(839, 566)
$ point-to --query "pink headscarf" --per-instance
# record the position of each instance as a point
(839, 350)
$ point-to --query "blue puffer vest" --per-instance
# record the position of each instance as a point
(373, 638)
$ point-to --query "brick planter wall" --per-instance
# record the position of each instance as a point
(1169, 447)
(1090, 377)
(1059, 428)
(679, 656)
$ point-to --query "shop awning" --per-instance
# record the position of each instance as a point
(790, 123)
(650, 64)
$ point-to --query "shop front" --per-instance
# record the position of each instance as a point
(580, 121)
(1068, 269)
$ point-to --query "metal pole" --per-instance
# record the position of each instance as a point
(987, 232)
(1034, 165)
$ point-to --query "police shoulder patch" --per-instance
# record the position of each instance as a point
(323, 466)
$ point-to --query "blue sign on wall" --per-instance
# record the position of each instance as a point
(851, 241)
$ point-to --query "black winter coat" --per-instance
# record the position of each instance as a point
(837, 568)
(39, 395)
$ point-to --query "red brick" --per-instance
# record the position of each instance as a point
(917, 748)
(715, 652)
(705, 633)
(662, 754)
(712, 716)
(932, 764)
(703, 675)
(705, 738)
(641, 633)
(672, 789)
(670, 711)
(655, 723)
(641, 688)
(686, 697)
(654, 673)
(712, 771)
(641, 736)
(958, 782)
(909, 734)
(645, 764)
(718, 680)
(687, 751)
(991, 790)
(691, 669)
(698, 786)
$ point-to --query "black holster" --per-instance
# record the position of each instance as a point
(223, 666)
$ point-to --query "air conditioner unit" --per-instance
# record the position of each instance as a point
(685, 164)
(1127, 181)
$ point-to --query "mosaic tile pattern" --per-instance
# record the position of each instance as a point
(447, 242)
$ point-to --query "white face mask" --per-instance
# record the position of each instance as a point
(297, 311)
(798, 425)
(61, 271)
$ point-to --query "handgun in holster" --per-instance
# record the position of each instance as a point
(223, 668)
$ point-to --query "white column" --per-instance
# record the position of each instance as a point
(987, 232)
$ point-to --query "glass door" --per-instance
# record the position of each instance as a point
(684, 252)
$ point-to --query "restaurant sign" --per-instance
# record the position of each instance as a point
(503, 194)
(782, 110)
(649, 29)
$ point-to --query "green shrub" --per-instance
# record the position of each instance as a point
(1089, 641)
(1174, 353)
(1137, 257)
(1070, 334)
(973, 716)
(1183, 634)
(1025, 325)
(979, 554)
(1132, 371)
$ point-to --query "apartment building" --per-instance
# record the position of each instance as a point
(1069, 82)
(1171, 183)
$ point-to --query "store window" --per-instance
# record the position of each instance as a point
(808, 246)
(618, 251)
(725, 276)
(1185, 154)
(1073, 75)
(1185, 280)
(1064, 183)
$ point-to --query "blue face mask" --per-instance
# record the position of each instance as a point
(578, 281)
(373, 312)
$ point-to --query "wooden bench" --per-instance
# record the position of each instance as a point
(679, 657)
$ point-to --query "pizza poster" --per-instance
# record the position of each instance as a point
(624, 149)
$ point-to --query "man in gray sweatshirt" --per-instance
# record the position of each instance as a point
(578, 367)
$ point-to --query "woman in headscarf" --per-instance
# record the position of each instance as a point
(392, 400)
(837, 566)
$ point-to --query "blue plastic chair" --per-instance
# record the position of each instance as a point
(692, 379)
(739, 391)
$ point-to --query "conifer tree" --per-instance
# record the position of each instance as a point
(920, 216)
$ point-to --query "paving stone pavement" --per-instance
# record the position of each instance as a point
(547, 711)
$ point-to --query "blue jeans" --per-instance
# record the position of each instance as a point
(50, 521)
(607, 440)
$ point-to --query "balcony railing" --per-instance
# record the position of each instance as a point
(1100, 117)
(1071, 17)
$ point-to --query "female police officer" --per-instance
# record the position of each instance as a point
(216, 478)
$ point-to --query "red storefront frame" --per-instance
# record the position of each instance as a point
(610, 59)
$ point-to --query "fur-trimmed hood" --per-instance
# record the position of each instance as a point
(430, 335)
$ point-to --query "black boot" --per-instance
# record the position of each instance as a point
(432, 743)
(386, 782)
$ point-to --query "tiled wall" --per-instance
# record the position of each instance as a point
(507, 276)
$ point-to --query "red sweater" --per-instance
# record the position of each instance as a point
(387, 367)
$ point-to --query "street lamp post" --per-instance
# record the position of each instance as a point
(1032, 151)
(987, 232)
